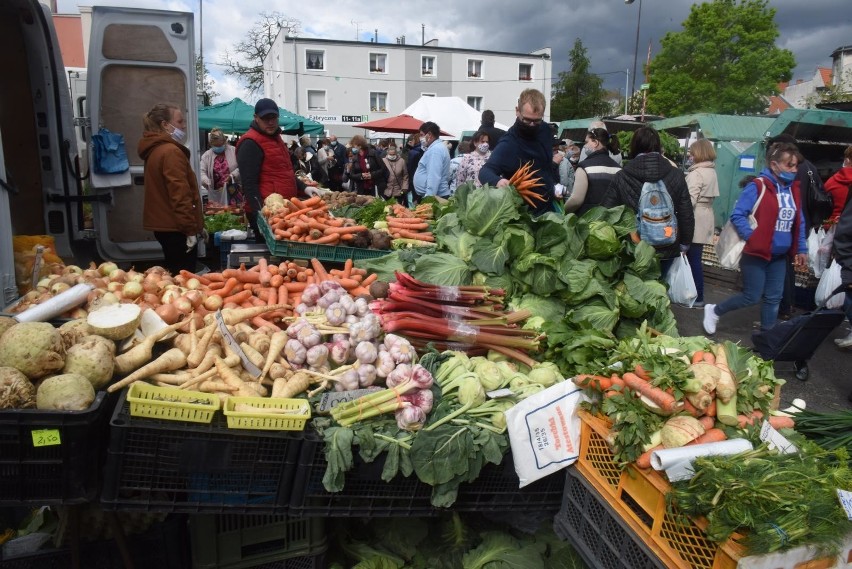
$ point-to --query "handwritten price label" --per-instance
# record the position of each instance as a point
(46, 437)
(845, 501)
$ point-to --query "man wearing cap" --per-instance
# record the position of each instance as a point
(264, 162)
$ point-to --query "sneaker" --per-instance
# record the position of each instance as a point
(711, 319)
(845, 342)
(698, 304)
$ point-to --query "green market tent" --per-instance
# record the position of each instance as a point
(236, 116)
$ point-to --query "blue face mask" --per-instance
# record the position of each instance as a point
(218, 149)
(787, 176)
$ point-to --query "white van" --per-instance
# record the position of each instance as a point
(137, 58)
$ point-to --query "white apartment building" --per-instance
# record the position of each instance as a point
(340, 83)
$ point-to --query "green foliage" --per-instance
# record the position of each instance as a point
(223, 221)
(671, 147)
(578, 93)
(724, 61)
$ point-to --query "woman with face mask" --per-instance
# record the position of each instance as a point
(172, 206)
(220, 175)
(778, 239)
(472, 162)
(396, 175)
(595, 172)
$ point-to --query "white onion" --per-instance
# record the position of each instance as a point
(106, 268)
(131, 290)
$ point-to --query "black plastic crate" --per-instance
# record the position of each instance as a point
(173, 466)
(597, 532)
(496, 489)
(229, 541)
(365, 494)
(161, 547)
(52, 457)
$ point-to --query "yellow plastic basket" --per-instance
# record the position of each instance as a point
(171, 403)
(294, 414)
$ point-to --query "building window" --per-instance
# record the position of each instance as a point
(474, 68)
(315, 59)
(525, 72)
(378, 63)
(427, 66)
(316, 100)
(379, 102)
(475, 102)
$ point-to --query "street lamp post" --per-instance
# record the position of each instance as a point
(636, 48)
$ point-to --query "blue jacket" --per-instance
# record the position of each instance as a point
(512, 152)
(432, 177)
(784, 230)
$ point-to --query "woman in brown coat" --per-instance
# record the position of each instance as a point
(172, 207)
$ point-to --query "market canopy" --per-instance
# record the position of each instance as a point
(236, 116)
(451, 114)
(404, 124)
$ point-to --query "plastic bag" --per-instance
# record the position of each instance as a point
(828, 282)
(814, 239)
(110, 156)
(729, 247)
(826, 244)
(681, 284)
(544, 431)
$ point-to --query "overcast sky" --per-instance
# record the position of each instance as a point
(811, 29)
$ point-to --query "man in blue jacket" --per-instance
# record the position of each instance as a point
(528, 140)
(432, 177)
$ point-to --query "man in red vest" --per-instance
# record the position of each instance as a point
(264, 163)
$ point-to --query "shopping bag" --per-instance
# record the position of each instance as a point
(826, 243)
(814, 239)
(110, 156)
(729, 247)
(681, 284)
(828, 282)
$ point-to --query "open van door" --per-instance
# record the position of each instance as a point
(137, 58)
(38, 190)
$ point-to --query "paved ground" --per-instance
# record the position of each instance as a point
(827, 387)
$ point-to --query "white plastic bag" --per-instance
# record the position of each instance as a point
(729, 247)
(814, 239)
(828, 282)
(544, 431)
(681, 284)
(826, 244)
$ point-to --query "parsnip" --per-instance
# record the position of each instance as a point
(197, 353)
(140, 354)
(252, 354)
(170, 361)
(260, 342)
(232, 316)
(276, 346)
(726, 386)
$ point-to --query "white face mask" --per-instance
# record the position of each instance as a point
(178, 135)
(483, 148)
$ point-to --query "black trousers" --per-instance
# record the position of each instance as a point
(175, 253)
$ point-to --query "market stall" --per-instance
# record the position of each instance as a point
(330, 380)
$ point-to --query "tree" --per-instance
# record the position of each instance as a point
(246, 62)
(204, 83)
(724, 61)
(578, 93)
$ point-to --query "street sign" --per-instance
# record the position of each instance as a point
(644, 86)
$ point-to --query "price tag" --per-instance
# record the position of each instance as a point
(845, 501)
(331, 400)
(776, 440)
(46, 437)
(235, 347)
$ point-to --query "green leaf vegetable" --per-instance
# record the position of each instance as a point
(223, 222)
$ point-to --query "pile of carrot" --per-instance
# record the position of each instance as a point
(404, 223)
(524, 182)
(269, 284)
(309, 221)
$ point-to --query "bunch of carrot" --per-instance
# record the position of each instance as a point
(309, 221)
(404, 223)
(524, 182)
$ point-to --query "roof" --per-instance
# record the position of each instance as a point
(825, 72)
(575, 129)
(718, 127)
(814, 126)
(777, 104)
(539, 53)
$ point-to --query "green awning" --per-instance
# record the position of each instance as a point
(236, 116)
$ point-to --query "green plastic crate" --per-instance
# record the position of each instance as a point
(298, 250)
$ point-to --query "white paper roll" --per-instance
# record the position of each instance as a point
(53, 307)
(677, 462)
